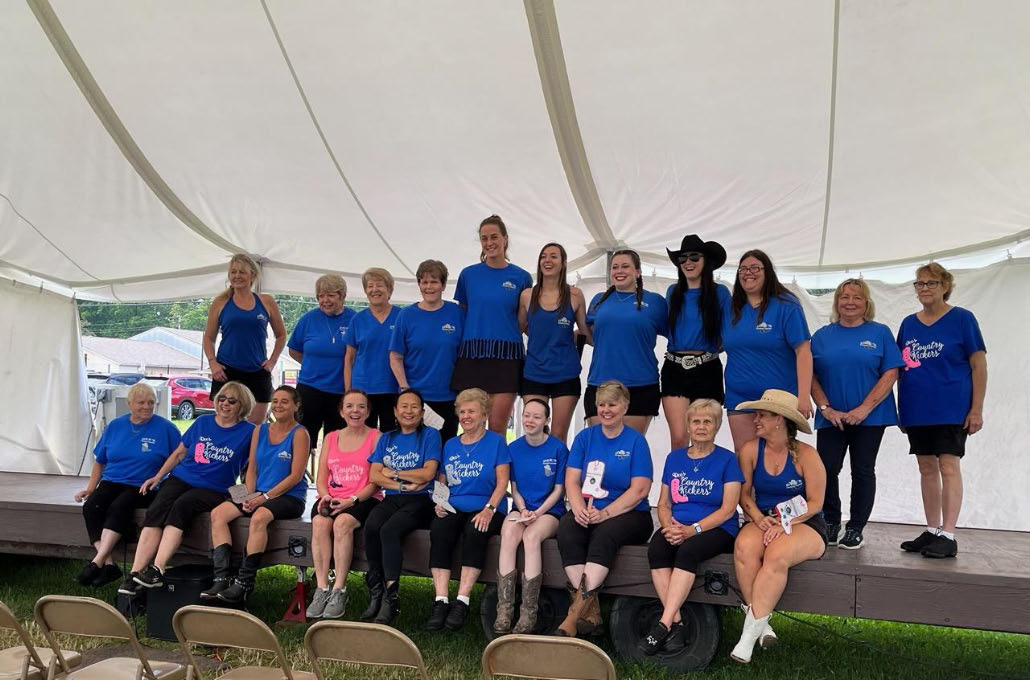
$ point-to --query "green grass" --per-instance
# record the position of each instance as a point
(183, 425)
(805, 652)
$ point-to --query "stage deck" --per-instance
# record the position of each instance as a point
(986, 587)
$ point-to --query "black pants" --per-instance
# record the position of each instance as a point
(380, 412)
(319, 411)
(112, 506)
(691, 552)
(445, 533)
(864, 443)
(177, 504)
(445, 409)
(598, 543)
(387, 525)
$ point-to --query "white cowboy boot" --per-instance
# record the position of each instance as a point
(752, 630)
(768, 639)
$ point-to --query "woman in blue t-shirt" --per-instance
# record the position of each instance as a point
(626, 321)
(766, 339)
(131, 450)
(547, 313)
(491, 354)
(243, 318)
(940, 401)
(856, 363)
(537, 492)
(607, 479)
(698, 515)
(275, 478)
(424, 345)
(697, 306)
(366, 366)
(202, 469)
(317, 342)
(476, 470)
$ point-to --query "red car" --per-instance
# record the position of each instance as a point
(190, 395)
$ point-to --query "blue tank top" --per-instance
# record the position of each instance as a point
(244, 332)
(773, 489)
(275, 462)
(551, 354)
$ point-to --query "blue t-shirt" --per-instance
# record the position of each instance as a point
(697, 493)
(551, 354)
(429, 343)
(411, 451)
(132, 454)
(689, 332)
(624, 338)
(320, 338)
(275, 463)
(936, 385)
(626, 456)
(471, 473)
(771, 490)
(371, 339)
(760, 356)
(848, 362)
(536, 469)
(491, 298)
(215, 455)
(244, 333)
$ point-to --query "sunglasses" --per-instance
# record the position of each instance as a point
(689, 257)
(232, 400)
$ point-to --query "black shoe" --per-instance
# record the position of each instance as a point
(376, 587)
(151, 577)
(456, 616)
(130, 587)
(221, 558)
(218, 586)
(237, 592)
(941, 547)
(677, 640)
(391, 605)
(439, 615)
(832, 533)
(924, 539)
(86, 575)
(654, 641)
(852, 540)
(109, 573)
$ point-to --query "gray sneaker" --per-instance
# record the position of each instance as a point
(318, 603)
(337, 604)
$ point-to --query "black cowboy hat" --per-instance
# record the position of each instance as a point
(715, 254)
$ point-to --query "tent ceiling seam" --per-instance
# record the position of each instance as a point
(325, 142)
(557, 91)
(87, 84)
(43, 236)
(833, 126)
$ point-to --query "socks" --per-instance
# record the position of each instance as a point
(934, 530)
(946, 534)
(463, 598)
(342, 590)
(442, 598)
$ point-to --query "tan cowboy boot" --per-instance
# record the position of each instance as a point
(530, 605)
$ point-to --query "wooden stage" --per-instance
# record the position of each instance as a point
(986, 587)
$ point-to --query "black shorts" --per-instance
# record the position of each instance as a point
(258, 382)
(177, 504)
(689, 554)
(282, 507)
(817, 522)
(643, 401)
(493, 376)
(699, 382)
(566, 388)
(934, 440)
(359, 511)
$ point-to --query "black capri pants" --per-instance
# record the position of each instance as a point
(445, 409)
(690, 553)
(387, 525)
(319, 411)
(598, 543)
(177, 504)
(380, 412)
(112, 506)
(445, 532)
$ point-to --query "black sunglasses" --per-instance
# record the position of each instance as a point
(689, 257)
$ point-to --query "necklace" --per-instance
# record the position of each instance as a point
(629, 296)
(332, 335)
(136, 430)
(697, 461)
(468, 451)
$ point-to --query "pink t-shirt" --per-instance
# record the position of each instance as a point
(348, 470)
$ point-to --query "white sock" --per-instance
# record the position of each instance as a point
(933, 530)
(343, 589)
(946, 534)
(463, 598)
(442, 598)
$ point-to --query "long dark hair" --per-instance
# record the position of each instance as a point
(564, 289)
(640, 280)
(394, 433)
(499, 223)
(772, 288)
(707, 303)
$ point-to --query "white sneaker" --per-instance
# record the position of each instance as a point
(318, 603)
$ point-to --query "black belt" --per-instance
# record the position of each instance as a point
(691, 361)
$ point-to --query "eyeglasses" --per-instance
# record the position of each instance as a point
(232, 400)
(689, 257)
(753, 269)
(918, 285)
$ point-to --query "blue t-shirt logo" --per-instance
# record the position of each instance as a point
(262, 317)
(459, 470)
(447, 328)
(564, 322)
(509, 285)
(145, 443)
(764, 327)
(794, 484)
(622, 453)
(867, 344)
(285, 455)
(549, 465)
(914, 352)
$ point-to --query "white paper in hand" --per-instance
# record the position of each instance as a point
(789, 509)
(592, 484)
(241, 494)
(441, 496)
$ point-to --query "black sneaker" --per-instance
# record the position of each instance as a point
(832, 533)
(129, 586)
(86, 575)
(924, 539)
(654, 641)
(852, 540)
(109, 573)
(941, 547)
(151, 577)
(456, 616)
(439, 615)
(677, 640)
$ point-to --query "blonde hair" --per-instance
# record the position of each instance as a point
(242, 394)
(936, 270)
(870, 309)
(248, 262)
(473, 394)
(709, 406)
(377, 273)
(612, 389)
(331, 283)
(140, 389)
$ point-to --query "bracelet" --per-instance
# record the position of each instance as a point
(265, 495)
(402, 486)
(395, 475)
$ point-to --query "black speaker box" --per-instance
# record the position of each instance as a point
(182, 586)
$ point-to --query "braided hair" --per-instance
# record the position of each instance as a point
(640, 280)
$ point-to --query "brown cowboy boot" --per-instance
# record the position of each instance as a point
(568, 627)
(530, 604)
(590, 620)
(505, 601)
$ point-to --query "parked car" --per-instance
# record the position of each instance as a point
(191, 394)
(124, 378)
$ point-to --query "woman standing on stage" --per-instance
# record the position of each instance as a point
(491, 354)
(547, 312)
(366, 365)
(243, 317)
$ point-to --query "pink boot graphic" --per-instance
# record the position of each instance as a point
(906, 356)
(674, 490)
(198, 454)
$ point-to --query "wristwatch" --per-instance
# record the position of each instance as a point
(824, 407)
(354, 500)
(490, 507)
(402, 486)
(697, 528)
(265, 495)
(395, 474)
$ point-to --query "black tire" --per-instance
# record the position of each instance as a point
(186, 410)
(632, 617)
(554, 605)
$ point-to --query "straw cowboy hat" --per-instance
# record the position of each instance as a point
(781, 403)
(715, 254)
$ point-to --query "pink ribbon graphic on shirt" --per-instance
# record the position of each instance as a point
(198, 454)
